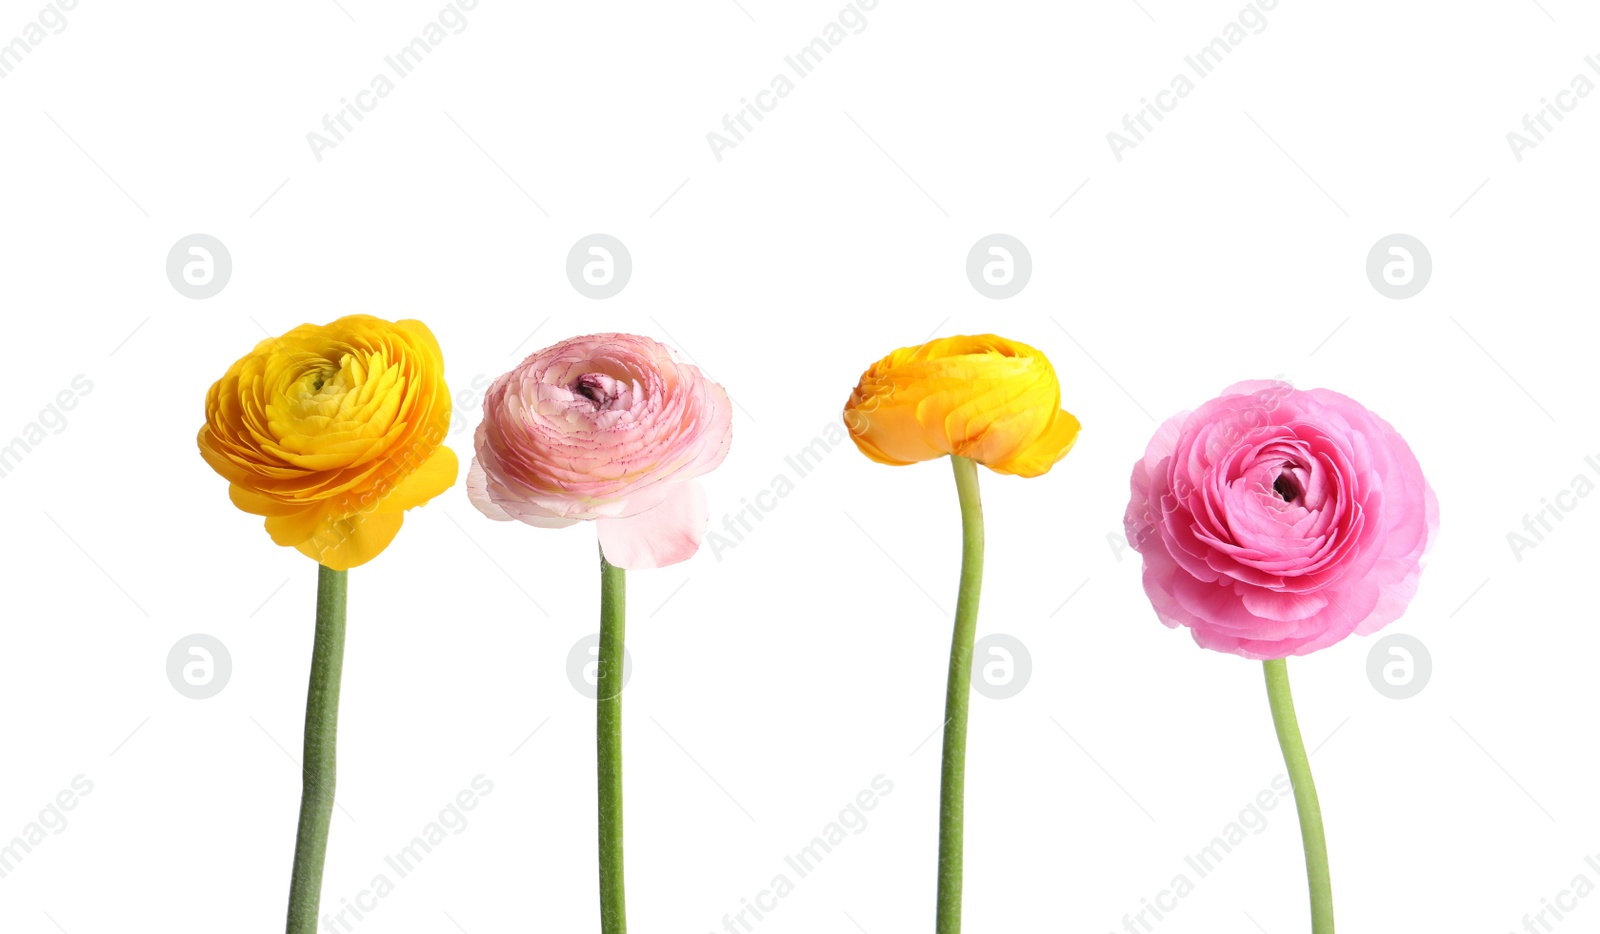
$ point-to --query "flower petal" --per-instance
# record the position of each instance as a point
(478, 493)
(341, 544)
(437, 474)
(667, 534)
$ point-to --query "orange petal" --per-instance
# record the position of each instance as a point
(437, 474)
(1043, 454)
(293, 529)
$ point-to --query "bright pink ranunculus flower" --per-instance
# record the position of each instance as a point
(610, 427)
(1275, 521)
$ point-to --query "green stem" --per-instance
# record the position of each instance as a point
(1305, 795)
(318, 772)
(953, 778)
(608, 719)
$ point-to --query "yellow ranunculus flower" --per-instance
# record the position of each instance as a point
(331, 432)
(993, 400)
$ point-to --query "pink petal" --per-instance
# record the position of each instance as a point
(1272, 605)
(478, 493)
(655, 538)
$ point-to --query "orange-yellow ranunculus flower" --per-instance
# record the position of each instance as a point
(331, 432)
(983, 397)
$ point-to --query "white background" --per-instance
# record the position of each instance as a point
(772, 685)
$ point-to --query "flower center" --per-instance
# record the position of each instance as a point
(323, 382)
(1286, 488)
(598, 388)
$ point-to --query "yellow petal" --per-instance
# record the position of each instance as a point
(437, 474)
(342, 544)
(295, 528)
(257, 504)
(1044, 453)
(994, 400)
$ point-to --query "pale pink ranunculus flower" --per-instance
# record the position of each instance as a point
(609, 427)
(1275, 521)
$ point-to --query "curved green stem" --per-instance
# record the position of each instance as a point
(1305, 795)
(953, 777)
(608, 720)
(319, 768)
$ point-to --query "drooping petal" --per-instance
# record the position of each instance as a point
(667, 534)
(437, 474)
(341, 544)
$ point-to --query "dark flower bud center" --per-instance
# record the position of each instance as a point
(597, 388)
